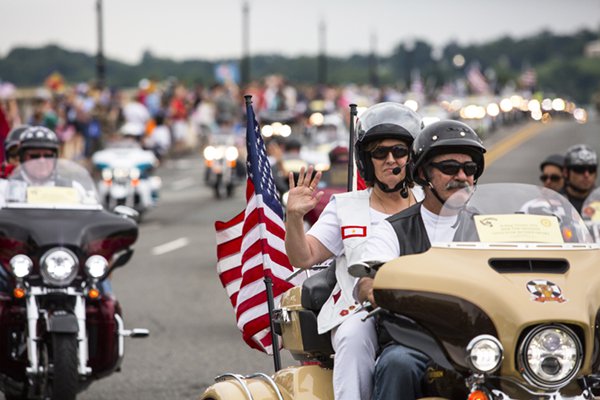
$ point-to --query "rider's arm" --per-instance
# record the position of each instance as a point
(306, 250)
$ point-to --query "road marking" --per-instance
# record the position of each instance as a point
(171, 246)
(183, 183)
(509, 143)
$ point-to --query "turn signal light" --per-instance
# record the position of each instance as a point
(19, 292)
(231, 164)
(135, 182)
(567, 234)
(93, 293)
(478, 395)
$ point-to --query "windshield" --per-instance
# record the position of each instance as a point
(509, 213)
(49, 183)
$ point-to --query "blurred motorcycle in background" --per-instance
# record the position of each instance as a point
(126, 175)
(224, 171)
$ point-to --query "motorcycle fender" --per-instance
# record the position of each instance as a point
(310, 382)
(62, 322)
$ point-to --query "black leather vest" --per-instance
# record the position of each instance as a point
(412, 238)
(410, 230)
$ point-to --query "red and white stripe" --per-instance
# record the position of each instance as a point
(250, 247)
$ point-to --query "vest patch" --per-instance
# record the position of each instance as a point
(351, 231)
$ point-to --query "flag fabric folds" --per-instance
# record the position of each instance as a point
(251, 246)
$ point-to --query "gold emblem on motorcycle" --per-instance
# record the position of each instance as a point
(544, 291)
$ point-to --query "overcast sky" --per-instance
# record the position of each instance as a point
(200, 29)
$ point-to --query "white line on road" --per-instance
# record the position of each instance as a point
(183, 183)
(170, 246)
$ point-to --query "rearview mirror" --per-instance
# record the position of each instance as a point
(365, 269)
(128, 212)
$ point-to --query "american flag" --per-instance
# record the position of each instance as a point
(251, 246)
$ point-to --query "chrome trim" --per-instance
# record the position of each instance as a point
(32, 338)
(120, 340)
(82, 336)
(477, 339)
(239, 379)
(269, 380)
(529, 376)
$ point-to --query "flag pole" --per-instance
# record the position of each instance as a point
(274, 339)
(353, 113)
(269, 286)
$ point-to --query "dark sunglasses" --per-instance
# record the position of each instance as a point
(381, 152)
(452, 167)
(553, 178)
(580, 169)
(35, 156)
(13, 154)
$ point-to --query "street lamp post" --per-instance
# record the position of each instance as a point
(373, 67)
(322, 63)
(245, 64)
(100, 69)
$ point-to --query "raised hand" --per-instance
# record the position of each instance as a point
(303, 195)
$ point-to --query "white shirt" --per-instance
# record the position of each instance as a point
(383, 243)
(327, 228)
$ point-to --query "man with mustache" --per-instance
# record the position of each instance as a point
(446, 157)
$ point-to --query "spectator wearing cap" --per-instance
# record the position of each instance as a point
(580, 172)
(552, 172)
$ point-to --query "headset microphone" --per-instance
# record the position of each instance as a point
(397, 170)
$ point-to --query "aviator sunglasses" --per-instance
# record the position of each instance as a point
(580, 169)
(553, 178)
(381, 152)
(451, 167)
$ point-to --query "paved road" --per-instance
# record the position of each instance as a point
(171, 287)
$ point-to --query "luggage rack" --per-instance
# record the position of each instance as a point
(241, 380)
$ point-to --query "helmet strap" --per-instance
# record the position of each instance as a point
(400, 186)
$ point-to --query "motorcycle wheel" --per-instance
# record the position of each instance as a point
(65, 378)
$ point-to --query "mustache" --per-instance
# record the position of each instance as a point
(458, 185)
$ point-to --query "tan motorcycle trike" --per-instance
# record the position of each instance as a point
(507, 307)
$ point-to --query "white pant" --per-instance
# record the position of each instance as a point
(355, 345)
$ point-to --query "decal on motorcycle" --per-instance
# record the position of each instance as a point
(543, 291)
(351, 231)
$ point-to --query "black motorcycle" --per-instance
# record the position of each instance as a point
(60, 326)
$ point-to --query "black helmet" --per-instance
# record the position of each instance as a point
(580, 154)
(38, 137)
(444, 137)
(13, 138)
(557, 160)
(383, 121)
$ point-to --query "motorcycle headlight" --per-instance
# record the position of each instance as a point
(485, 353)
(231, 154)
(59, 266)
(96, 266)
(134, 173)
(550, 355)
(107, 174)
(21, 265)
(209, 153)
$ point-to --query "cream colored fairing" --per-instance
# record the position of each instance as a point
(505, 297)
